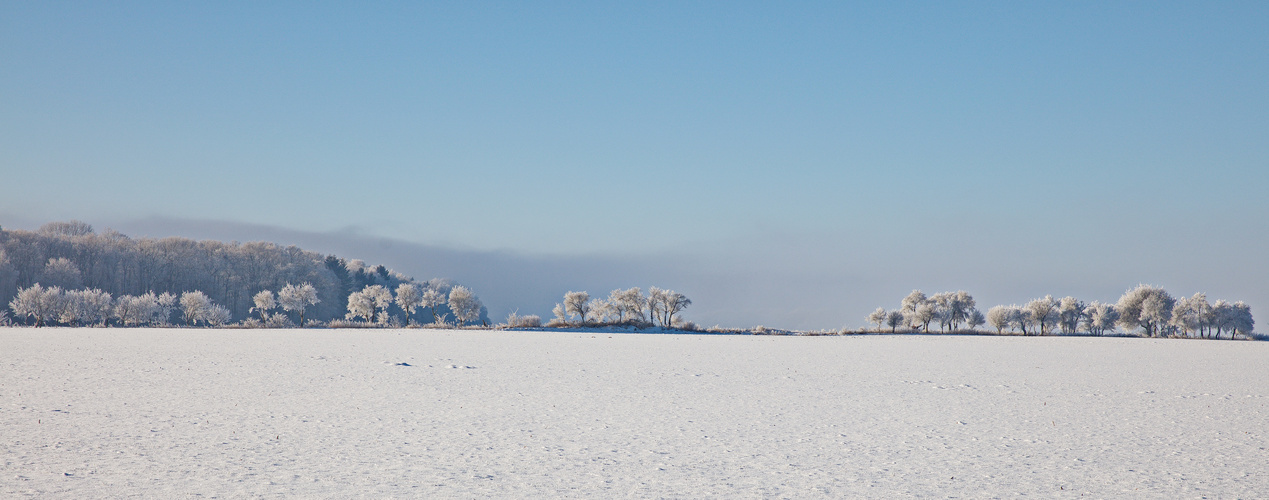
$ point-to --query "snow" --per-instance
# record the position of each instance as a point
(95, 413)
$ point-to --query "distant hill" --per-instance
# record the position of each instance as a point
(229, 273)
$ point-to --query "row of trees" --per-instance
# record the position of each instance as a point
(631, 306)
(96, 307)
(372, 303)
(1148, 309)
(291, 298)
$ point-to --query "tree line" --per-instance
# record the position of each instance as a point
(1147, 309)
(622, 307)
(113, 278)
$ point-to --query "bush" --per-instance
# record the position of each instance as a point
(347, 323)
(530, 321)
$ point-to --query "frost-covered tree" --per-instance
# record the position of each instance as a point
(93, 306)
(79, 307)
(628, 303)
(1234, 318)
(1043, 312)
(70, 310)
(1242, 321)
(1070, 312)
(1100, 318)
(560, 315)
(194, 306)
(295, 298)
(1021, 318)
(1190, 314)
(264, 303)
(381, 299)
(217, 315)
(914, 299)
(606, 311)
(577, 304)
(38, 303)
(408, 299)
(671, 303)
(62, 273)
(1156, 312)
(8, 277)
(162, 306)
(951, 308)
(655, 297)
(1147, 307)
(975, 319)
(132, 310)
(1000, 317)
(1204, 313)
(464, 304)
(877, 317)
(943, 315)
(924, 313)
(360, 305)
(893, 320)
(67, 228)
(431, 298)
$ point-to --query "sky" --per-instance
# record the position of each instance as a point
(792, 164)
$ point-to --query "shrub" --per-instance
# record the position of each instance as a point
(530, 321)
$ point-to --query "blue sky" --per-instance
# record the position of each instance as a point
(846, 153)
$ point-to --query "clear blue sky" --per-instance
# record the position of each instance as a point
(855, 150)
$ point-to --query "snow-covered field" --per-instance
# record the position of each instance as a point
(96, 413)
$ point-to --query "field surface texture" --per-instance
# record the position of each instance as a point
(96, 413)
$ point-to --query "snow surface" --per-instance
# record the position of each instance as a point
(94, 413)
